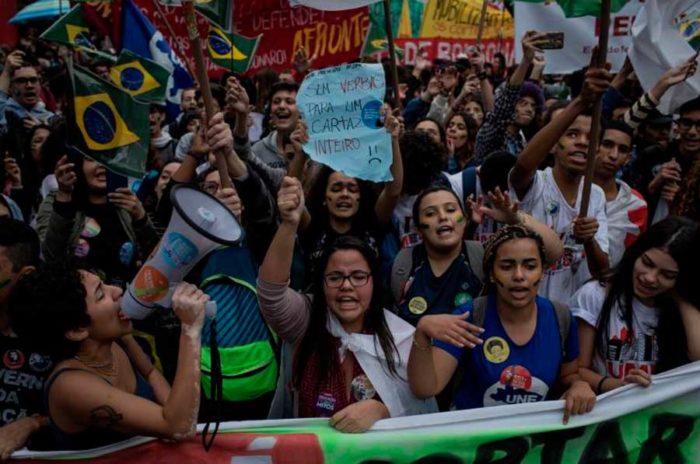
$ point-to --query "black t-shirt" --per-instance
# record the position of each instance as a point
(104, 246)
(22, 375)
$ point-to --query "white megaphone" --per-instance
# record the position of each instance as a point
(199, 224)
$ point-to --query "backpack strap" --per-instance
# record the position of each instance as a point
(400, 271)
(468, 183)
(564, 320)
(475, 256)
(479, 310)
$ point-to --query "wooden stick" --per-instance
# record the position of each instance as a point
(392, 54)
(482, 21)
(601, 59)
(203, 78)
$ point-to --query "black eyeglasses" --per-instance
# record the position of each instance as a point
(687, 123)
(356, 279)
(25, 80)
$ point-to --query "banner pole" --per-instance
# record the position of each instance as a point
(601, 58)
(203, 78)
(392, 54)
(500, 29)
(482, 20)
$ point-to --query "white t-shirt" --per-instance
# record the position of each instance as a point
(545, 202)
(622, 352)
(627, 218)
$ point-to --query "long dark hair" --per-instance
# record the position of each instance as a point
(678, 236)
(317, 341)
(465, 154)
(319, 212)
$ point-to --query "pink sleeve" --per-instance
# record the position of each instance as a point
(286, 310)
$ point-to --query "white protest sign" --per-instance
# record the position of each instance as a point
(580, 34)
(341, 106)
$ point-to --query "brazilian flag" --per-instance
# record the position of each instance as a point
(229, 50)
(71, 30)
(108, 125)
(577, 8)
(140, 77)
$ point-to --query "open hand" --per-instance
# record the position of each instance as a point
(451, 328)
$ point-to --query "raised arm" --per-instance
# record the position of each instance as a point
(597, 81)
(492, 133)
(285, 310)
(392, 190)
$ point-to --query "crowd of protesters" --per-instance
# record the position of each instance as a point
(469, 280)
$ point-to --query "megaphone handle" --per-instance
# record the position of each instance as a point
(210, 309)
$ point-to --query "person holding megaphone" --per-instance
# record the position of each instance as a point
(104, 388)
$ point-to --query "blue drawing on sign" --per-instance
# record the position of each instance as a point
(342, 109)
(370, 113)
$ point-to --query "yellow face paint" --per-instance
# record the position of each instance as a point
(460, 219)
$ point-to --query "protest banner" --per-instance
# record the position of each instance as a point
(665, 35)
(333, 37)
(580, 34)
(630, 424)
(341, 107)
(450, 28)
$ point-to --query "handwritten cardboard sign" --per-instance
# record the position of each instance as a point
(341, 107)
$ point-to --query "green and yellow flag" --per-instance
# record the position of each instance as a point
(140, 77)
(230, 50)
(71, 29)
(108, 125)
(576, 8)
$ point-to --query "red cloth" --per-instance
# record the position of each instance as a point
(331, 397)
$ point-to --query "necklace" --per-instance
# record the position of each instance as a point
(108, 368)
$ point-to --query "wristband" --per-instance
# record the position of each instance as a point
(599, 388)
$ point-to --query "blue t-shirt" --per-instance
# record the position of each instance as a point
(501, 372)
(425, 294)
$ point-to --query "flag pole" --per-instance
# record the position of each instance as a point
(500, 29)
(203, 78)
(392, 54)
(482, 21)
(600, 60)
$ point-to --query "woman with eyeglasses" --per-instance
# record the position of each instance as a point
(344, 356)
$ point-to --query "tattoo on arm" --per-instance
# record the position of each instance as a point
(104, 417)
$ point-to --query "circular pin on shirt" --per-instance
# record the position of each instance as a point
(362, 388)
(462, 298)
(417, 305)
(91, 229)
(496, 350)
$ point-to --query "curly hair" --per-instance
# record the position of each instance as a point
(45, 304)
(422, 161)
(506, 234)
(688, 198)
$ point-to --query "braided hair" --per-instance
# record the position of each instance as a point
(506, 234)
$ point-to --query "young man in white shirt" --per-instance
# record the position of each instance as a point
(553, 196)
